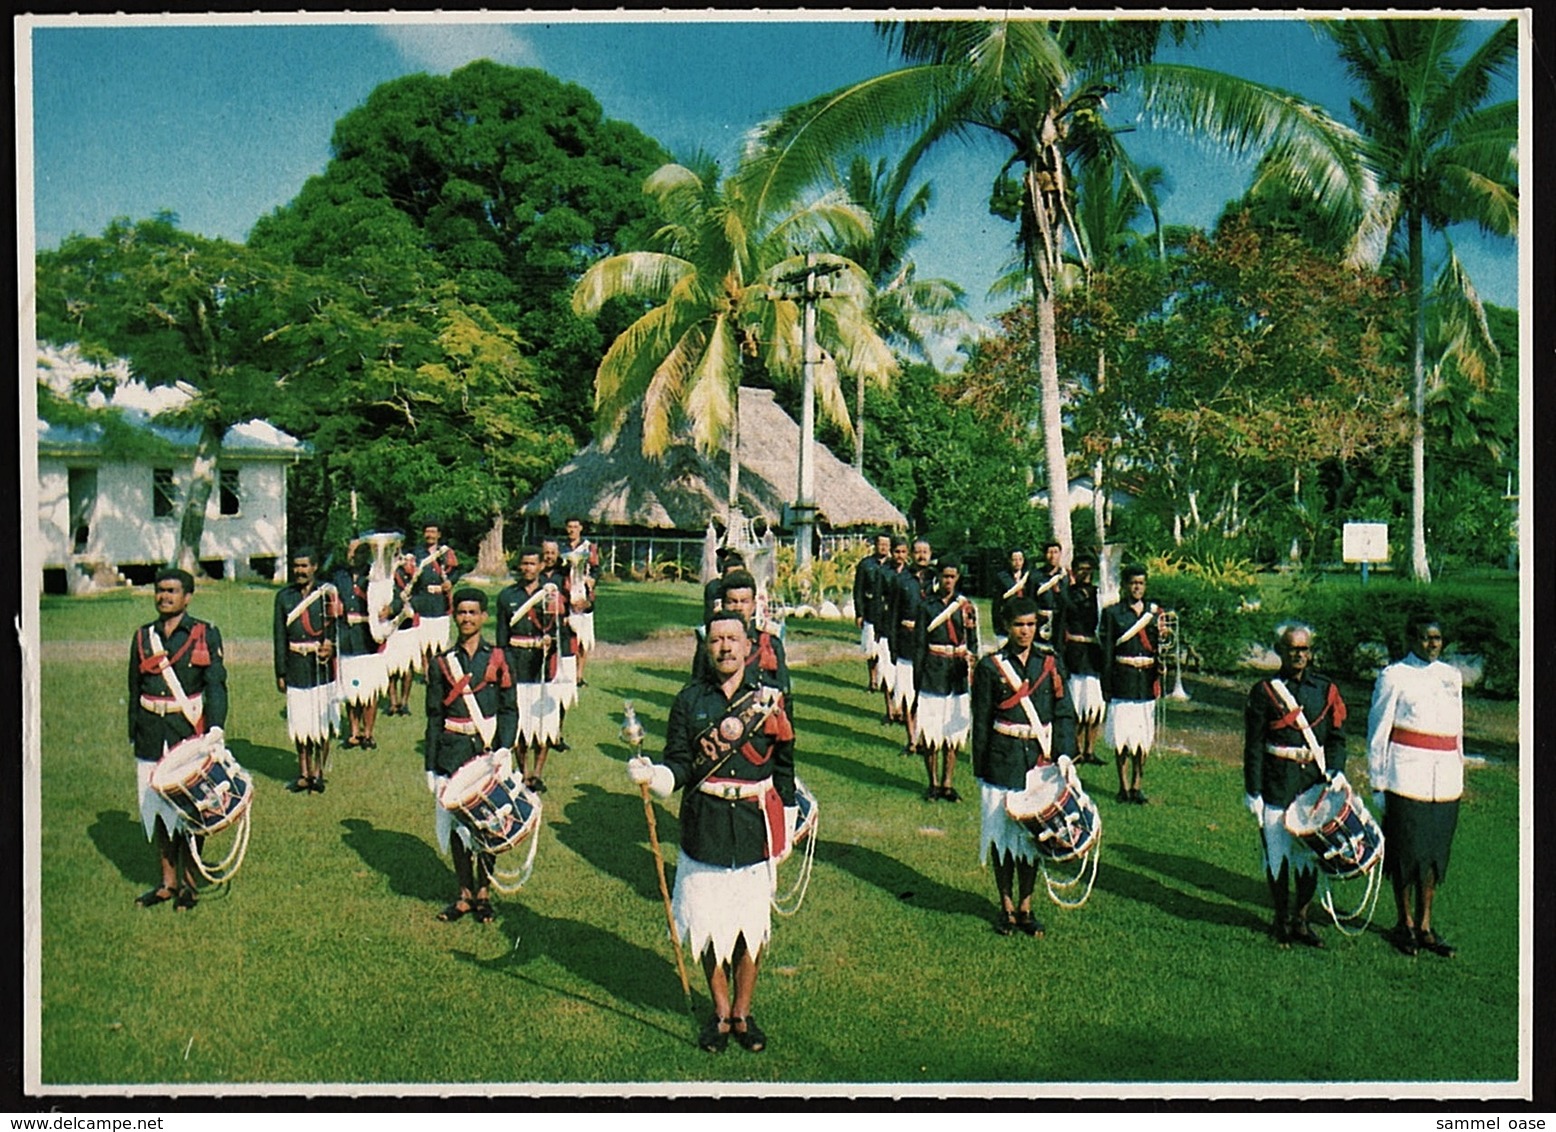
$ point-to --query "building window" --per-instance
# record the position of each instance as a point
(164, 496)
(230, 498)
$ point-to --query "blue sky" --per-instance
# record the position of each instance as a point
(221, 122)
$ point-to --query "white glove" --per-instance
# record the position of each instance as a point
(502, 760)
(1255, 806)
(217, 734)
(640, 770)
(432, 783)
(1066, 767)
(1337, 778)
(791, 821)
(660, 780)
(1377, 801)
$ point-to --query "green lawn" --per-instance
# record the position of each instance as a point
(323, 963)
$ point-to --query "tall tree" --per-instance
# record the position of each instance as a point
(1038, 88)
(717, 285)
(184, 310)
(1442, 155)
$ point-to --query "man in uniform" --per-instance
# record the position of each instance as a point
(1083, 659)
(364, 669)
(888, 573)
(586, 555)
(867, 604)
(1009, 583)
(1051, 590)
(471, 711)
(1021, 719)
(553, 571)
(428, 577)
(177, 690)
(529, 616)
(730, 748)
(914, 585)
(1415, 761)
(729, 561)
(1131, 679)
(304, 635)
(945, 648)
(766, 659)
(1293, 738)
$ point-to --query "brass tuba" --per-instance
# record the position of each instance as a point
(380, 581)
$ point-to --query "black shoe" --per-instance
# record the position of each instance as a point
(932, 794)
(1005, 923)
(1402, 939)
(455, 911)
(186, 899)
(1436, 944)
(561, 745)
(155, 896)
(1029, 924)
(711, 1038)
(300, 786)
(1124, 797)
(316, 784)
(482, 911)
(583, 683)
(949, 794)
(1282, 933)
(370, 743)
(1302, 932)
(1138, 798)
(751, 1038)
(536, 785)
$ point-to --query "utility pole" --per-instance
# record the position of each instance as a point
(804, 509)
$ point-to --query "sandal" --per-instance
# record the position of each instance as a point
(186, 899)
(316, 784)
(1436, 944)
(156, 896)
(353, 741)
(482, 911)
(751, 1037)
(711, 1038)
(300, 786)
(1402, 939)
(1029, 923)
(457, 910)
(1005, 923)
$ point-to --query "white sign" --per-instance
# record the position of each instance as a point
(1365, 542)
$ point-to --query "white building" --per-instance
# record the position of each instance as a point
(106, 519)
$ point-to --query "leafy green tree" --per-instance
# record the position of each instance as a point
(1038, 87)
(719, 294)
(1442, 155)
(185, 310)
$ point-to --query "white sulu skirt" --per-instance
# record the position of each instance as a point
(716, 906)
(444, 822)
(1001, 833)
(582, 625)
(540, 713)
(432, 634)
(902, 683)
(1131, 725)
(363, 678)
(944, 720)
(153, 806)
(313, 714)
(867, 640)
(1282, 848)
(402, 652)
(1086, 690)
(566, 682)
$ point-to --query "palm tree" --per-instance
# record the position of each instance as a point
(1039, 87)
(717, 304)
(1441, 156)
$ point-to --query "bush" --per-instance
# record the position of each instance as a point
(1214, 619)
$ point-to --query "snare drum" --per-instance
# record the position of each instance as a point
(1061, 818)
(1331, 821)
(204, 783)
(494, 805)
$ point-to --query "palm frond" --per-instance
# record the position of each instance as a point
(710, 388)
(664, 392)
(645, 275)
(1463, 335)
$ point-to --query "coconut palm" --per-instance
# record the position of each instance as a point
(1442, 156)
(1039, 88)
(715, 282)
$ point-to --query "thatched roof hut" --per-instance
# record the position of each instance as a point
(612, 484)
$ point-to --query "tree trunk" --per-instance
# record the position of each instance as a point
(202, 481)
(491, 559)
(859, 426)
(1420, 568)
(1045, 260)
(1099, 496)
(732, 503)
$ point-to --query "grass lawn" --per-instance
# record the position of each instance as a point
(323, 963)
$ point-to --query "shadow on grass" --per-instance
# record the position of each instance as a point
(622, 854)
(867, 773)
(624, 972)
(275, 763)
(901, 882)
(1120, 881)
(413, 867)
(811, 676)
(1242, 887)
(121, 840)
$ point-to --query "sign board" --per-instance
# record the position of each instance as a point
(1365, 542)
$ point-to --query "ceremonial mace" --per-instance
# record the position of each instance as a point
(632, 734)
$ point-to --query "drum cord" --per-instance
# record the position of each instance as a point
(789, 903)
(1369, 903)
(1093, 856)
(228, 867)
(510, 882)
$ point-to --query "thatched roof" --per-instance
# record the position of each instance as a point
(614, 485)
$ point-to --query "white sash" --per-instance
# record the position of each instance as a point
(1302, 724)
(485, 724)
(530, 604)
(1044, 730)
(170, 678)
(316, 593)
(1053, 580)
(1021, 580)
(945, 614)
(1145, 619)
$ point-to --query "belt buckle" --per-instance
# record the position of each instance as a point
(729, 791)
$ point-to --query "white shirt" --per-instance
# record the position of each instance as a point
(1426, 697)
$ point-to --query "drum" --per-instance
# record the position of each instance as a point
(1061, 818)
(200, 778)
(1331, 821)
(493, 804)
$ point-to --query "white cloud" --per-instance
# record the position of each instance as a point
(442, 47)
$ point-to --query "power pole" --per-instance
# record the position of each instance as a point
(804, 509)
